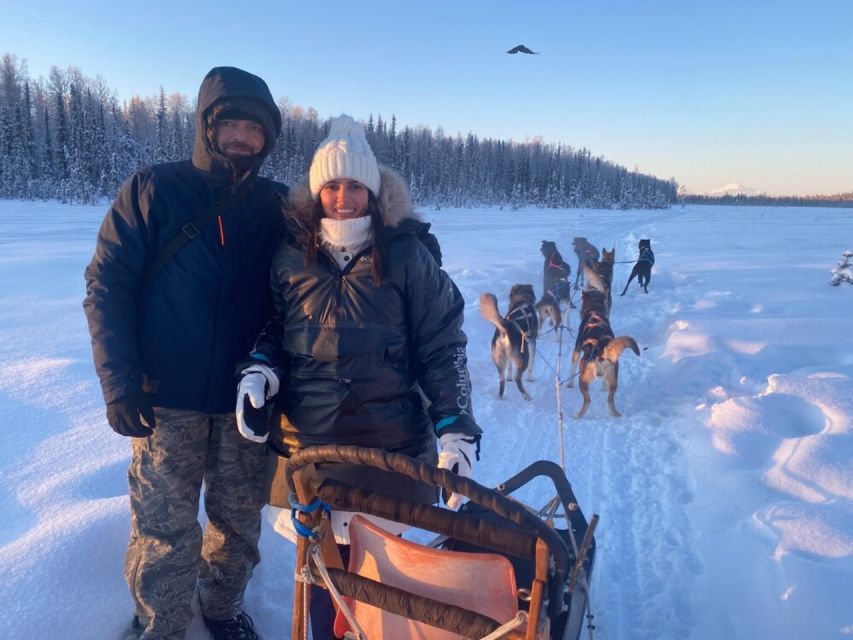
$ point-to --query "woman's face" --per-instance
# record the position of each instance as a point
(344, 199)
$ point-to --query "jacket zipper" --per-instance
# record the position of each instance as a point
(331, 378)
(348, 266)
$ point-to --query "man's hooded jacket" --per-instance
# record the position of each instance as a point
(179, 334)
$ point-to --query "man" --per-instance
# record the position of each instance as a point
(168, 327)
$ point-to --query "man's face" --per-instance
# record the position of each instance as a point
(239, 138)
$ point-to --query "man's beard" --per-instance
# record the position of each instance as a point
(240, 162)
(240, 149)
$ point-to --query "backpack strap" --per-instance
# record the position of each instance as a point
(190, 231)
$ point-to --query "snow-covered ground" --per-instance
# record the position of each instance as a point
(725, 491)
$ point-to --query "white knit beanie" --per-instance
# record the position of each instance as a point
(344, 154)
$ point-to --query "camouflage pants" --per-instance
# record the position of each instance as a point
(167, 554)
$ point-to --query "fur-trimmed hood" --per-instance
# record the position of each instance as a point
(395, 203)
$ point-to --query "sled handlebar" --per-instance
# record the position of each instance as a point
(546, 468)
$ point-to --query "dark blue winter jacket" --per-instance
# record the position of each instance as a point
(180, 335)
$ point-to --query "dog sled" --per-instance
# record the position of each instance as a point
(498, 568)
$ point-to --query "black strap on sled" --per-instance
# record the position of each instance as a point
(190, 231)
(449, 617)
(499, 537)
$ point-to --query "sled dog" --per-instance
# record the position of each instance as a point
(599, 275)
(555, 273)
(548, 309)
(597, 351)
(514, 342)
(643, 267)
(586, 254)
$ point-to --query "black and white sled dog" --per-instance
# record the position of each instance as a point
(555, 273)
(643, 267)
(514, 342)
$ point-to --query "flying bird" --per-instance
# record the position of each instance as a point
(522, 49)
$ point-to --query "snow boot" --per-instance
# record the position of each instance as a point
(135, 628)
(239, 627)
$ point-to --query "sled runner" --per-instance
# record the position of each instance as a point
(504, 570)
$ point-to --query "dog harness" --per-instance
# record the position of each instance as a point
(646, 255)
(557, 265)
(560, 289)
(526, 312)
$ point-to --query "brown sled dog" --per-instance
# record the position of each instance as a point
(597, 351)
(599, 275)
(587, 254)
(514, 342)
(548, 308)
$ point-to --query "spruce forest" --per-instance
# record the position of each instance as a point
(68, 137)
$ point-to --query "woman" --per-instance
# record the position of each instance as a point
(366, 327)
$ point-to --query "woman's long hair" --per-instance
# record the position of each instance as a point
(378, 251)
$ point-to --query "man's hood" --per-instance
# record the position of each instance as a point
(229, 82)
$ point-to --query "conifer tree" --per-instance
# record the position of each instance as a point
(843, 271)
(69, 137)
(161, 150)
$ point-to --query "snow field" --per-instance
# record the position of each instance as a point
(724, 490)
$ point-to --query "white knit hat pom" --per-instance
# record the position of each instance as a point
(344, 153)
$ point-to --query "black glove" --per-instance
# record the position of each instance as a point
(256, 421)
(124, 415)
(258, 384)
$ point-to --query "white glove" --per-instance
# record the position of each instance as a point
(457, 453)
(258, 384)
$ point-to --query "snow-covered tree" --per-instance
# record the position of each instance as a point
(161, 146)
(69, 137)
(843, 272)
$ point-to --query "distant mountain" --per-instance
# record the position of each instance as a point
(733, 189)
(738, 194)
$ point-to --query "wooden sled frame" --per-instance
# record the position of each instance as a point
(525, 536)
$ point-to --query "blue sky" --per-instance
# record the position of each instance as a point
(754, 92)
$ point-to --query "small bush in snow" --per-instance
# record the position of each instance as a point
(844, 271)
